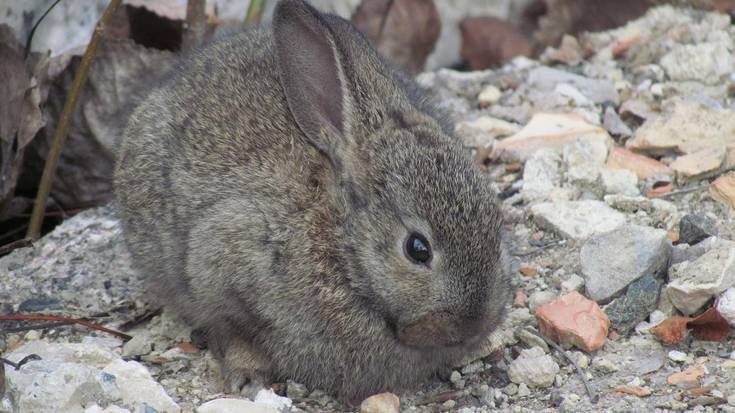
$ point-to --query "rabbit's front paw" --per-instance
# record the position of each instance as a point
(244, 370)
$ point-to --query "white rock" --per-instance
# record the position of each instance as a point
(269, 397)
(677, 355)
(533, 367)
(573, 283)
(489, 95)
(138, 388)
(726, 305)
(235, 406)
(577, 219)
(693, 283)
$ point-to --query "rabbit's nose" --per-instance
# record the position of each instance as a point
(438, 329)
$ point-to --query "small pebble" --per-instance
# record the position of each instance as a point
(604, 365)
(511, 389)
(677, 356)
(449, 404)
(381, 403)
(523, 390)
(32, 335)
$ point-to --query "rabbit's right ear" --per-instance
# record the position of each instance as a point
(312, 76)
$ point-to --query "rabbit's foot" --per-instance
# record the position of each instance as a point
(245, 371)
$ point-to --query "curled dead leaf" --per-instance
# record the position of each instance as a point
(672, 330)
(708, 326)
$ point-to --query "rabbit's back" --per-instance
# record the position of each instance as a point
(218, 130)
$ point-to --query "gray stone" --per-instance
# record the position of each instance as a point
(545, 79)
(533, 367)
(613, 260)
(139, 345)
(577, 220)
(584, 159)
(614, 125)
(639, 301)
(619, 181)
(694, 228)
(685, 252)
(693, 283)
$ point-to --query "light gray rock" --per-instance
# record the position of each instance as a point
(619, 181)
(726, 305)
(584, 159)
(224, 405)
(613, 260)
(539, 298)
(70, 376)
(139, 345)
(533, 367)
(693, 283)
(705, 62)
(577, 220)
(541, 175)
(546, 79)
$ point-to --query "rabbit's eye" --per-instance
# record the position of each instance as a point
(417, 248)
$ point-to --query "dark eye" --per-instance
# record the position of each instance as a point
(418, 249)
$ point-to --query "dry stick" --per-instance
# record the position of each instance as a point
(255, 12)
(23, 242)
(594, 398)
(45, 317)
(196, 24)
(49, 169)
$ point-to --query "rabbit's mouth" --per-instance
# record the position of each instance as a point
(440, 329)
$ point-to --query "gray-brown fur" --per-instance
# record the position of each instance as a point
(275, 217)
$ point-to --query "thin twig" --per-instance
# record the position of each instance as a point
(24, 360)
(594, 397)
(9, 247)
(29, 40)
(43, 326)
(442, 397)
(49, 169)
(45, 317)
(196, 24)
(682, 191)
(255, 12)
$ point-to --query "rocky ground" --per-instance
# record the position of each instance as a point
(611, 157)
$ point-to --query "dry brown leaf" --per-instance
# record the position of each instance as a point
(404, 31)
(20, 114)
(634, 390)
(121, 74)
(710, 326)
(672, 330)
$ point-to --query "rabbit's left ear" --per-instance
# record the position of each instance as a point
(311, 73)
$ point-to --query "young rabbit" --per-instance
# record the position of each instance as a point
(293, 195)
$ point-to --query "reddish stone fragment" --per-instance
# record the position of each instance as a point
(575, 320)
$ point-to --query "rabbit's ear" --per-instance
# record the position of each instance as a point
(312, 75)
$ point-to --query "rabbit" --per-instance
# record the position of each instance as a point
(290, 193)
